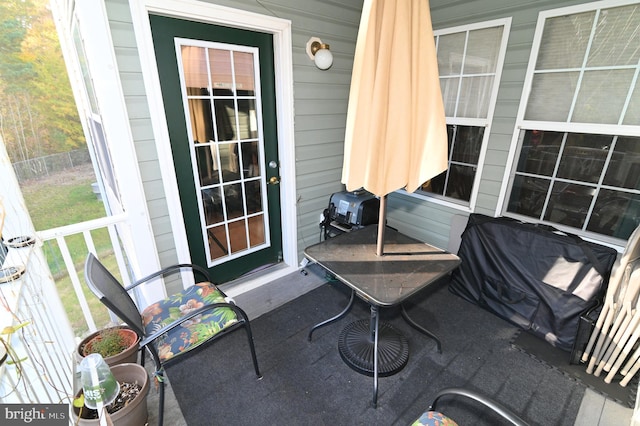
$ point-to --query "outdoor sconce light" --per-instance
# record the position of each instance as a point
(319, 53)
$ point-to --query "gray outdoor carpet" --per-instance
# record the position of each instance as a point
(307, 383)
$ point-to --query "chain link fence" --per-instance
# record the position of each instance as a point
(44, 166)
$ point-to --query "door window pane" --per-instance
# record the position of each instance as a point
(222, 110)
(201, 120)
(245, 78)
(225, 119)
(207, 164)
(196, 74)
(221, 73)
(247, 123)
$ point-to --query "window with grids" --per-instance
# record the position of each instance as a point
(470, 62)
(578, 155)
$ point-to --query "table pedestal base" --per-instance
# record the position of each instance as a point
(356, 347)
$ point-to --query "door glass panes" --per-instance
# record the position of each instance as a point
(243, 64)
(196, 77)
(247, 123)
(225, 111)
(207, 164)
(221, 72)
(201, 118)
(221, 90)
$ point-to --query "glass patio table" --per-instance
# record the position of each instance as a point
(407, 266)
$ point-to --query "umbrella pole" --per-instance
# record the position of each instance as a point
(382, 219)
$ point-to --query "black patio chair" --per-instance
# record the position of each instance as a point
(166, 328)
(433, 417)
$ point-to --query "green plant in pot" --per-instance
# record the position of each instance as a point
(116, 345)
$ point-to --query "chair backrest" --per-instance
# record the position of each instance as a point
(112, 294)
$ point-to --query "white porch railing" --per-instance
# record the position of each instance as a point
(43, 340)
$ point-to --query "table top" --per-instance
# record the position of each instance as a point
(406, 267)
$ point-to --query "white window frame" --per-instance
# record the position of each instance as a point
(476, 122)
(556, 126)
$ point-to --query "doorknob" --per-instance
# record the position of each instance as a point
(274, 180)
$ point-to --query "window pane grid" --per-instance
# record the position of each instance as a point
(587, 63)
(578, 162)
(221, 92)
(469, 64)
(577, 190)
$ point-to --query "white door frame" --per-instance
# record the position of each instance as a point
(283, 64)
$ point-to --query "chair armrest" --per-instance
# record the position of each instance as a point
(171, 270)
(487, 402)
(239, 312)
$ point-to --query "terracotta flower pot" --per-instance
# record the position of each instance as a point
(133, 414)
(129, 355)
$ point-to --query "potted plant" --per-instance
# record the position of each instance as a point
(117, 345)
(129, 408)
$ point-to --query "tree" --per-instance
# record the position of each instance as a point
(37, 110)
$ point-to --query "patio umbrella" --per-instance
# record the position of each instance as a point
(396, 132)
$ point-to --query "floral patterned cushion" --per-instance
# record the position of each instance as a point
(193, 332)
(433, 418)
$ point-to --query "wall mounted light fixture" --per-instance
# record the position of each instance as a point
(319, 53)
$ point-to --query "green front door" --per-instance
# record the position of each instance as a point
(219, 97)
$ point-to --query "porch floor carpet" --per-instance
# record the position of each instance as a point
(307, 383)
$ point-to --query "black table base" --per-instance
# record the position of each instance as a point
(357, 348)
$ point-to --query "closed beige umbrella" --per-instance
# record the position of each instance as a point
(396, 133)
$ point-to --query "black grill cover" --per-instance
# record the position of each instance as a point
(532, 275)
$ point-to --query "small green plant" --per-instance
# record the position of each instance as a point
(108, 342)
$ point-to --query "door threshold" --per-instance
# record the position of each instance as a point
(256, 279)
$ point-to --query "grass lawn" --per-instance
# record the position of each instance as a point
(64, 199)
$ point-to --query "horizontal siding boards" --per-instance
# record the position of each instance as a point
(321, 98)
